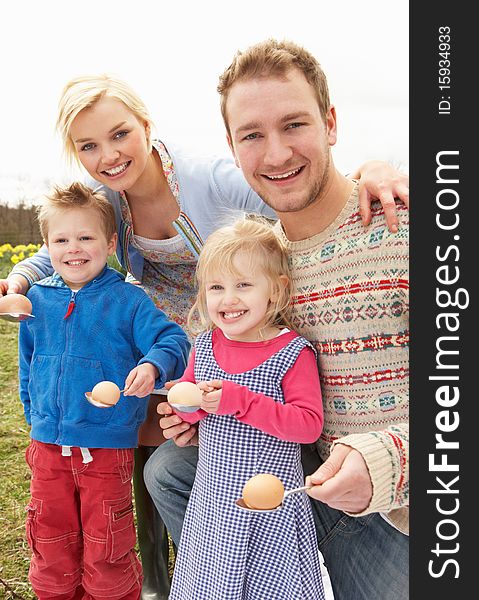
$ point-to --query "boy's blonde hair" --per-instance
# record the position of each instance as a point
(76, 195)
(85, 91)
(266, 253)
(273, 58)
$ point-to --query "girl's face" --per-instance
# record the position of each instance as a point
(237, 303)
(111, 143)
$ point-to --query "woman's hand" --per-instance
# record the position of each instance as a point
(380, 181)
(15, 284)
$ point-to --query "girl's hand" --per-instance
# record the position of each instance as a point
(141, 380)
(211, 395)
(380, 181)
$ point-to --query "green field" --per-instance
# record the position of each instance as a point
(15, 475)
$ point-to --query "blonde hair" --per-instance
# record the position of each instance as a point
(85, 91)
(76, 195)
(273, 58)
(266, 253)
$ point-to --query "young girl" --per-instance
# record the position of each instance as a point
(262, 399)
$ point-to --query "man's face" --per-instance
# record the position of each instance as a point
(280, 140)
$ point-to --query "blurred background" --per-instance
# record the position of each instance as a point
(173, 52)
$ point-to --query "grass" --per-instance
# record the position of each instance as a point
(15, 475)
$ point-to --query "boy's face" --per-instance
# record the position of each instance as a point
(78, 245)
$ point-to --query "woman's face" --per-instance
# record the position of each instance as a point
(111, 143)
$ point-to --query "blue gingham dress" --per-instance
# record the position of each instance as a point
(226, 553)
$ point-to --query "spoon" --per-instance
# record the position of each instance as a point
(99, 404)
(16, 317)
(184, 408)
(241, 503)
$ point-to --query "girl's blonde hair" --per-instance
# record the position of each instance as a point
(85, 91)
(266, 253)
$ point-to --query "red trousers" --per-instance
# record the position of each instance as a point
(80, 524)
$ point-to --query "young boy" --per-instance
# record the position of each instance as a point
(89, 326)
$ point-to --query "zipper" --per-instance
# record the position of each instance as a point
(71, 305)
(68, 325)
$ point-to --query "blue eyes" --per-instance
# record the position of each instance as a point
(219, 288)
(83, 238)
(257, 135)
(117, 136)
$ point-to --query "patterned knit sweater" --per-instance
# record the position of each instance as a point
(350, 299)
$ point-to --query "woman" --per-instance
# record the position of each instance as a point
(166, 205)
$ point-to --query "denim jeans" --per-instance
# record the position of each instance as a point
(367, 559)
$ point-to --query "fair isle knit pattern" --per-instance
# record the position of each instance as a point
(350, 299)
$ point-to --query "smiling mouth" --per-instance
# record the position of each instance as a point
(233, 315)
(284, 176)
(117, 170)
(76, 263)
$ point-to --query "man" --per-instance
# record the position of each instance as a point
(350, 299)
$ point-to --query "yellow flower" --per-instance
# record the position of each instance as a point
(15, 258)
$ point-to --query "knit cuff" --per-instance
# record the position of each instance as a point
(30, 275)
(378, 460)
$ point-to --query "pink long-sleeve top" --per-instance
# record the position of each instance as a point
(300, 419)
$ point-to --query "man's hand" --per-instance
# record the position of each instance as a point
(343, 481)
(174, 428)
(15, 284)
(380, 181)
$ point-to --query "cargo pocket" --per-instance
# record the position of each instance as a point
(121, 535)
(33, 508)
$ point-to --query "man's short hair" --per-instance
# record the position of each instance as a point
(273, 58)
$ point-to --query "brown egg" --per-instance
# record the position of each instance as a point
(185, 393)
(106, 392)
(15, 304)
(263, 492)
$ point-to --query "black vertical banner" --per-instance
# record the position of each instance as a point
(444, 264)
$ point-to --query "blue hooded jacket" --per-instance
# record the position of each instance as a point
(111, 327)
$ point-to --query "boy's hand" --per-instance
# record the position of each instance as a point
(141, 380)
(174, 428)
(212, 391)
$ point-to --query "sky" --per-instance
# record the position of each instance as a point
(172, 53)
